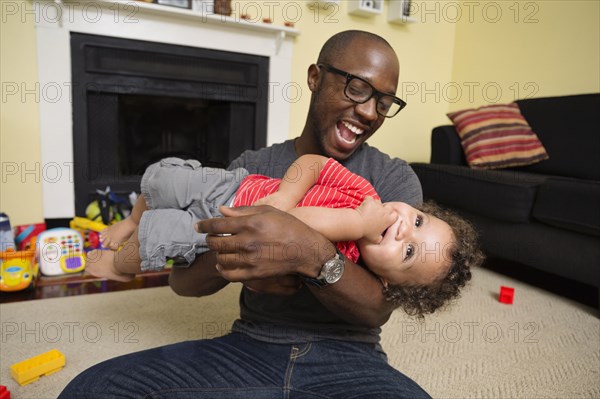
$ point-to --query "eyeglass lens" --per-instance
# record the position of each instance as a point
(360, 92)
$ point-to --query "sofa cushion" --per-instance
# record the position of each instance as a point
(568, 127)
(571, 204)
(502, 195)
(497, 136)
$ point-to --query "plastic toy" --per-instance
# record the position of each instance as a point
(507, 295)
(108, 207)
(30, 370)
(18, 270)
(89, 230)
(4, 392)
(7, 239)
(60, 251)
(25, 233)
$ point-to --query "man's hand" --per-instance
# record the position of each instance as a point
(376, 218)
(263, 243)
(258, 242)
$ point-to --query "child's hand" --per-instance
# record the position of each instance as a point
(277, 200)
(376, 218)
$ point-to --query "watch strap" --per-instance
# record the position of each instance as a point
(315, 281)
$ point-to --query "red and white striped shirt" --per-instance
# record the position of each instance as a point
(336, 187)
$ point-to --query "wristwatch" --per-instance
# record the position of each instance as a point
(331, 272)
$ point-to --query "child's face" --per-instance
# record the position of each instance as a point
(413, 250)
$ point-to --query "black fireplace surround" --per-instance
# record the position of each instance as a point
(135, 102)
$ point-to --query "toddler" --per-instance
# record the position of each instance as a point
(422, 256)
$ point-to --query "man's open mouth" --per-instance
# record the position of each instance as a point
(348, 132)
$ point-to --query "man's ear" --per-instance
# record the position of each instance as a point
(313, 77)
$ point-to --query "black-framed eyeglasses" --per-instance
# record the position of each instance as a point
(360, 91)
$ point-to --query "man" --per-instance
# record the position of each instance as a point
(320, 339)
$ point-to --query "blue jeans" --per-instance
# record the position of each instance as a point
(237, 366)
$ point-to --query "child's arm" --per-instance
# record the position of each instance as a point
(298, 179)
(368, 221)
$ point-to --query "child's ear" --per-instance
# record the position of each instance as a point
(383, 282)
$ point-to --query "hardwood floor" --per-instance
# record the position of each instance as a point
(82, 284)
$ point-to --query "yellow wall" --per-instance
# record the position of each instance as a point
(21, 187)
(535, 49)
(457, 54)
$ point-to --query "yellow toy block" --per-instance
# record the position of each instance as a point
(30, 370)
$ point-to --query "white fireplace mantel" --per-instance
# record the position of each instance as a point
(139, 21)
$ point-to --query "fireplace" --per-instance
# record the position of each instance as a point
(141, 22)
(135, 102)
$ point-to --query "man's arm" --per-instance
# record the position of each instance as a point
(201, 278)
(256, 249)
(344, 224)
(357, 297)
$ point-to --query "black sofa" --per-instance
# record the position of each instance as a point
(545, 215)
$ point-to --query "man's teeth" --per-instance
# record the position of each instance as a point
(352, 128)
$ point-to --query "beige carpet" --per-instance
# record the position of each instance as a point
(543, 346)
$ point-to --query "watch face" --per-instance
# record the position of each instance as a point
(334, 270)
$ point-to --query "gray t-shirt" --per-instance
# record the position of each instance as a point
(301, 317)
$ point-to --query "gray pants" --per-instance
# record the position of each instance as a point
(178, 194)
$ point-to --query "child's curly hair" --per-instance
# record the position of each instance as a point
(418, 300)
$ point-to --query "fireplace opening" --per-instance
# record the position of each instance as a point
(154, 127)
(137, 102)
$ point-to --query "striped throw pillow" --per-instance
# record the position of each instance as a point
(497, 136)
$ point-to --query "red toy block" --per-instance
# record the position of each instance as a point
(4, 392)
(507, 295)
